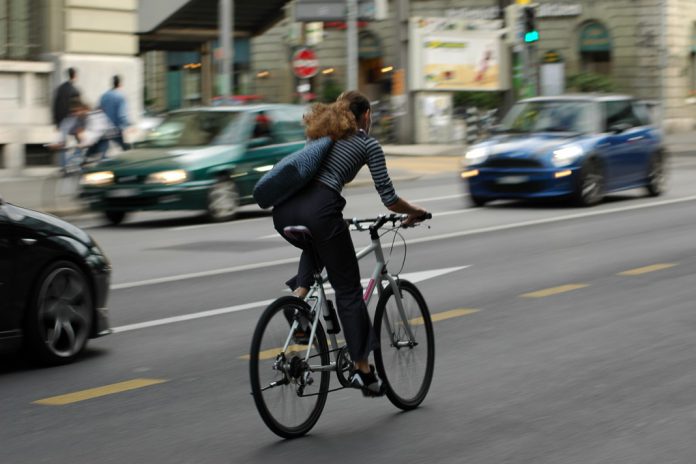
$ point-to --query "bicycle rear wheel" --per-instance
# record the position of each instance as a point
(405, 364)
(287, 403)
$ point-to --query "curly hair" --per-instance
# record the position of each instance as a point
(337, 120)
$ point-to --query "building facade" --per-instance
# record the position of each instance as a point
(39, 41)
(647, 48)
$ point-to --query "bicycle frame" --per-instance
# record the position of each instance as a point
(317, 294)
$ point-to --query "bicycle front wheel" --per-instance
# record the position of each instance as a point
(289, 398)
(406, 357)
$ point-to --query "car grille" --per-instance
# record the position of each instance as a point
(130, 179)
(512, 163)
(525, 187)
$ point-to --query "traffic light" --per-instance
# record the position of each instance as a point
(531, 34)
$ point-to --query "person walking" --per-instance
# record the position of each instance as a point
(64, 94)
(113, 104)
(320, 208)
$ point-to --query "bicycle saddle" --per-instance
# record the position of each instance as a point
(298, 233)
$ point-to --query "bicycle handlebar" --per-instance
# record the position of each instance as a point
(379, 221)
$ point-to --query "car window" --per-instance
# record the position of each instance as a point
(642, 113)
(189, 129)
(620, 112)
(551, 115)
(288, 124)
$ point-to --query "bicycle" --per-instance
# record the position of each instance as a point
(60, 189)
(283, 365)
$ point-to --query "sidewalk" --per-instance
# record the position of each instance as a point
(405, 162)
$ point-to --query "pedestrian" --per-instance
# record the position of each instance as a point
(63, 96)
(113, 104)
(319, 206)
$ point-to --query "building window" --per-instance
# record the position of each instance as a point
(18, 37)
(595, 48)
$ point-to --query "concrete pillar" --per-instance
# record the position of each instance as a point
(13, 156)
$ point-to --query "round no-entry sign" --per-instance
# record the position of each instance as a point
(305, 63)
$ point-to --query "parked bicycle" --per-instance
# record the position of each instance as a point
(290, 374)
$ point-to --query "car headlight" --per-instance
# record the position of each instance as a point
(567, 155)
(175, 176)
(476, 156)
(97, 178)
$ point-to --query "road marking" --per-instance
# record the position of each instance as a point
(212, 272)
(554, 291)
(446, 315)
(217, 224)
(273, 352)
(446, 197)
(83, 395)
(536, 222)
(414, 277)
(431, 238)
(646, 269)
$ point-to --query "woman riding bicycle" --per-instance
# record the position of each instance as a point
(319, 207)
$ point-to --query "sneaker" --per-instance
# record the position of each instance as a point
(301, 335)
(370, 384)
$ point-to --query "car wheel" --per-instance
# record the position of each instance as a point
(589, 189)
(60, 317)
(477, 201)
(223, 201)
(656, 175)
(115, 217)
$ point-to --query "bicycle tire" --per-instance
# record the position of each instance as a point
(270, 334)
(391, 360)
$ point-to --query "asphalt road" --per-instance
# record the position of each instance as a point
(580, 348)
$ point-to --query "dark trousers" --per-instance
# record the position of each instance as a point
(320, 209)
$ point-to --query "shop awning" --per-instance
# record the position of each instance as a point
(196, 22)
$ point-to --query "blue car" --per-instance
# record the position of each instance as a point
(575, 147)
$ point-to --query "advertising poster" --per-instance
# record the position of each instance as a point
(448, 56)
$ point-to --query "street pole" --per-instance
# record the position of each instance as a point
(225, 34)
(403, 117)
(663, 61)
(352, 44)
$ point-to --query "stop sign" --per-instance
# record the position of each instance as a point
(305, 63)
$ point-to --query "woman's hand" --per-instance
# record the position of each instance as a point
(416, 217)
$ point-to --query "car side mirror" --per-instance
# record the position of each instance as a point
(259, 142)
(619, 128)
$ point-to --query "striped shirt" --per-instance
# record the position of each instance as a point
(346, 158)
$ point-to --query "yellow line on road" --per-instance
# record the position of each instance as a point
(99, 391)
(554, 291)
(273, 352)
(446, 315)
(646, 269)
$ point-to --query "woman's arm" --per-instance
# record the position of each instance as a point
(415, 213)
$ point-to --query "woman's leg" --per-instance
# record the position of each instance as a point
(338, 255)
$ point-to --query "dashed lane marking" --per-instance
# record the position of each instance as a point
(91, 393)
(554, 290)
(647, 269)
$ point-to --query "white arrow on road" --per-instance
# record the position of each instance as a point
(414, 277)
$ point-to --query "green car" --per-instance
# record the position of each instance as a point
(205, 159)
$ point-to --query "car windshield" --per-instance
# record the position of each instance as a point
(551, 116)
(194, 129)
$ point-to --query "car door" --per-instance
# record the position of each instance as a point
(7, 258)
(648, 143)
(618, 125)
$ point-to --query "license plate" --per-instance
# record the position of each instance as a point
(122, 193)
(512, 179)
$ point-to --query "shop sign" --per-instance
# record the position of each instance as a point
(594, 37)
(369, 45)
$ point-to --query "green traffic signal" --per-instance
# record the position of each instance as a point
(531, 36)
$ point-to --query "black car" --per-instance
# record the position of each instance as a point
(54, 282)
